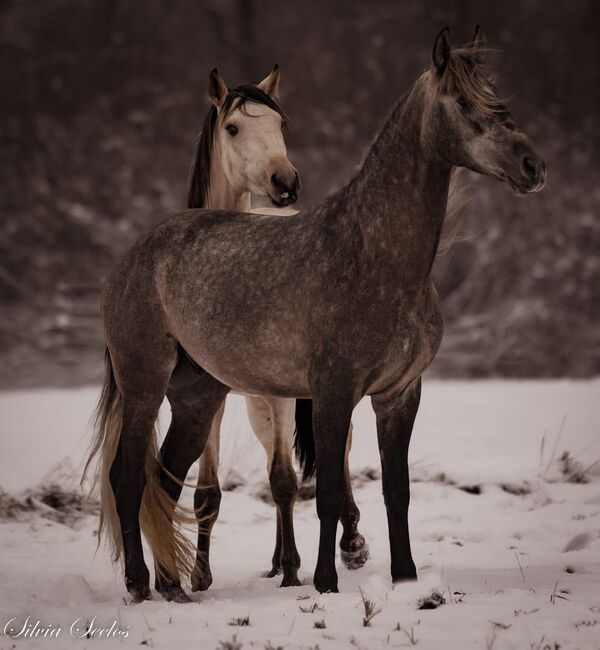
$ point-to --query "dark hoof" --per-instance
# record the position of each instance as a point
(356, 553)
(175, 594)
(201, 581)
(326, 584)
(139, 594)
(275, 571)
(408, 578)
(406, 575)
(290, 581)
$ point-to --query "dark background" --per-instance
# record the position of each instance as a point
(100, 103)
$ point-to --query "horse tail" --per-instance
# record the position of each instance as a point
(107, 431)
(160, 519)
(163, 521)
(304, 439)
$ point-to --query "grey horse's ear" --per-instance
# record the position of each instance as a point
(217, 90)
(441, 52)
(478, 44)
(270, 84)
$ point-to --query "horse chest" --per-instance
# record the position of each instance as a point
(413, 340)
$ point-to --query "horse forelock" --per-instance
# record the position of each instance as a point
(467, 75)
(237, 98)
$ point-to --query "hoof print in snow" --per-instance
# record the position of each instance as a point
(517, 489)
(470, 489)
(578, 542)
(434, 600)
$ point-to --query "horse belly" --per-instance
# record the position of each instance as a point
(268, 361)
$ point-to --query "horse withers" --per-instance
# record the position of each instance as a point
(331, 304)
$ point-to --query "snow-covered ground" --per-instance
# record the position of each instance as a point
(498, 527)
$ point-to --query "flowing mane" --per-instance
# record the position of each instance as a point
(199, 182)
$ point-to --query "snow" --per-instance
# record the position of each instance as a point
(499, 557)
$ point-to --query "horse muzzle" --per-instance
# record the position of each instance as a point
(284, 189)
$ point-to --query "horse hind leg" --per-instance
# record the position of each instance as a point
(354, 550)
(273, 423)
(142, 381)
(207, 501)
(195, 399)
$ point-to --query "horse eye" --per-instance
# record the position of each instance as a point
(462, 102)
(232, 129)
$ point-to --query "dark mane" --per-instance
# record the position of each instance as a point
(198, 186)
(466, 75)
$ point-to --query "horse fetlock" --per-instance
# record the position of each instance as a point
(290, 579)
(201, 578)
(290, 561)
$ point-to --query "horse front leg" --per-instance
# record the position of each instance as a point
(332, 411)
(353, 547)
(395, 419)
(273, 423)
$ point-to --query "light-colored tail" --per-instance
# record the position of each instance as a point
(161, 519)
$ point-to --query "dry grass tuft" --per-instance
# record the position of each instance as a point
(312, 608)
(370, 608)
(232, 644)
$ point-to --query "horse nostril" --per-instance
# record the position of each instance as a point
(530, 166)
(278, 184)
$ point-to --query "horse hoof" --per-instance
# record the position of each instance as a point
(275, 571)
(290, 581)
(327, 584)
(175, 594)
(139, 594)
(201, 581)
(355, 555)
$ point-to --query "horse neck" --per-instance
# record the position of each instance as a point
(399, 196)
(221, 194)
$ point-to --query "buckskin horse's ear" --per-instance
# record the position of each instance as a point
(441, 52)
(478, 44)
(217, 90)
(270, 84)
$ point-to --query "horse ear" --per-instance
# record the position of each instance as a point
(478, 43)
(441, 51)
(270, 84)
(217, 90)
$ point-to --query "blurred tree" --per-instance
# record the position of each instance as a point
(100, 102)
